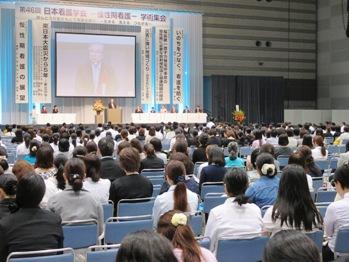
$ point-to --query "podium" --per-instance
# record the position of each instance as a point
(113, 115)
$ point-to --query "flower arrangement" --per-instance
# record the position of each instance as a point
(239, 116)
(98, 106)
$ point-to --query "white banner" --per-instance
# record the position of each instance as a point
(147, 45)
(178, 66)
(162, 69)
(21, 62)
(41, 62)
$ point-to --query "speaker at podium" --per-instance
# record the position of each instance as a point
(114, 115)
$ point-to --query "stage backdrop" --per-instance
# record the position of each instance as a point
(168, 57)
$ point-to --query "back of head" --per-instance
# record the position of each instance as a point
(22, 168)
(283, 140)
(30, 191)
(175, 171)
(123, 145)
(297, 159)
(8, 184)
(149, 150)
(265, 165)
(233, 150)
(156, 142)
(181, 146)
(290, 246)
(33, 147)
(106, 146)
(203, 139)
(44, 156)
(145, 246)
(129, 159)
(307, 141)
(91, 147)
(74, 171)
(137, 144)
(342, 176)
(268, 148)
(93, 166)
(4, 164)
(236, 183)
(174, 226)
(216, 156)
(294, 205)
(79, 151)
(63, 145)
(184, 159)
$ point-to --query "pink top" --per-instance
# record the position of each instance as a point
(207, 255)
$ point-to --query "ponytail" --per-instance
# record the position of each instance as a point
(60, 178)
(323, 150)
(180, 197)
(241, 199)
(183, 239)
(75, 181)
(92, 172)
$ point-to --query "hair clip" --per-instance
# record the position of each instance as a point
(179, 219)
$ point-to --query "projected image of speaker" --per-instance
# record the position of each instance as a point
(89, 65)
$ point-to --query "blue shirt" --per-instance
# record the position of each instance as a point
(238, 162)
(264, 191)
(30, 159)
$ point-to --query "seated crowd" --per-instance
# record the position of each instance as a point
(68, 172)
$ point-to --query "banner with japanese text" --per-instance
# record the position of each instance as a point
(41, 62)
(147, 45)
(21, 62)
(178, 47)
(162, 69)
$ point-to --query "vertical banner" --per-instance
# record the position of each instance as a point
(21, 62)
(162, 61)
(178, 66)
(147, 45)
(41, 62)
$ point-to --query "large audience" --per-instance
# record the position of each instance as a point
(66, 173)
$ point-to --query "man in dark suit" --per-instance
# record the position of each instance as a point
(95, 78)
(111, 104)
(109, 167)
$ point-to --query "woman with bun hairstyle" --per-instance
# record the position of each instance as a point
(177, 197)
(74, 202)
(33, 148)
(294, 207)
(264, 190)
(235, 216)
(174, 226)
(233, 160)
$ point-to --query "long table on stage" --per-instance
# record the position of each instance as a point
(150, 118)
(56, 119)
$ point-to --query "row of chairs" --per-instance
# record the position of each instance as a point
(242, 249)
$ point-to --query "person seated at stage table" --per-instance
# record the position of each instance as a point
(198, 109)
(111, 104)
(186, 109)
(163, 109)
(174, 109)
(43, 110)
(55, 109)
(139, 109)
(152, 110)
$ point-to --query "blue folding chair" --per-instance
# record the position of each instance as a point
(108, 210)
(317, 236)
(322, 209)
(212, 200)
(328, 140)
(245, 151)
(156, 190)
(80, 233)
(324, 195)
(264, 209)
(204, 242)
(332, 149)
(105, 253)
(342, 240)
(135, 207)
(116, 228)
(247, 250)
(283, 160)
(333, 163)
(322, 164)
(196, 223)
(156, 180)
(159, 172)
(49, 255)
(211, 187)
(317, 183)
(166, 144)
(342, 149)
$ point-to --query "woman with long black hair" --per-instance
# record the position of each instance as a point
(294, 208)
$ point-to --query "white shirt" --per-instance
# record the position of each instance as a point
(292, 142)
(337, 215)
(310, 183)
(232, 220)
(99, 189)
(165, 202)
(54, 147)
(22, 150)
(273, 141)
(159, 135)
(162, 156)
(316, 153)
